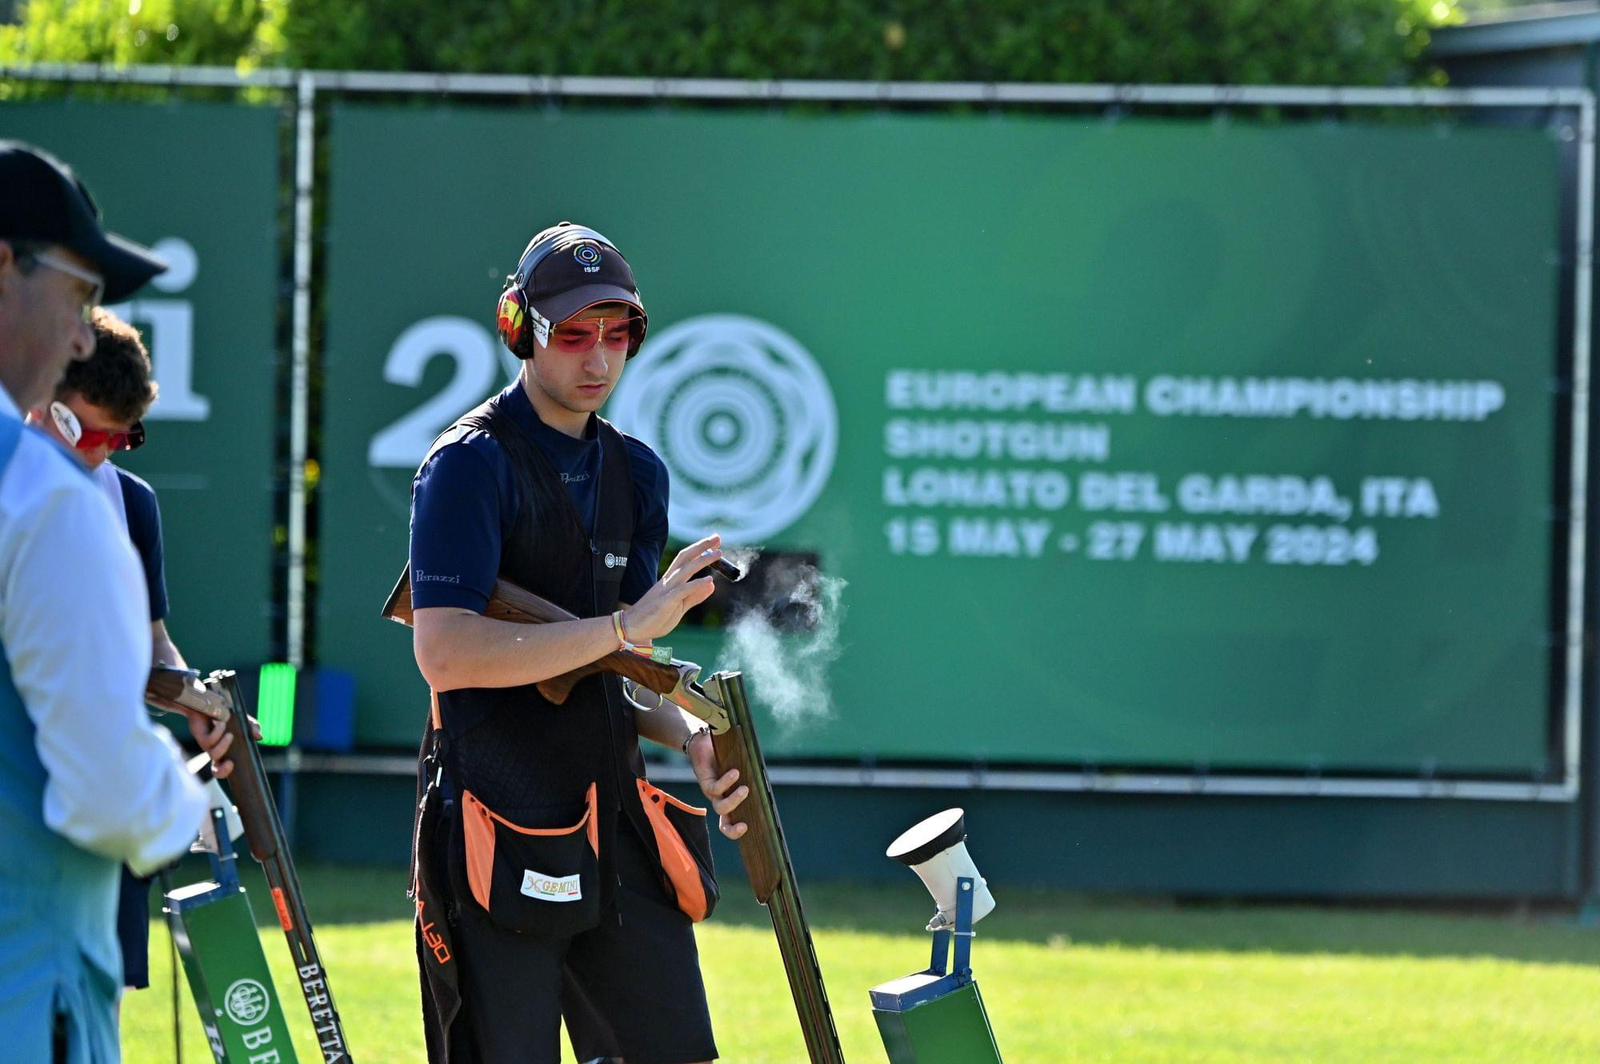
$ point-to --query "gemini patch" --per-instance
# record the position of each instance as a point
(541, 887)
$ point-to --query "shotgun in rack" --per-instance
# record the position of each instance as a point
(218, 697)
(721, 703)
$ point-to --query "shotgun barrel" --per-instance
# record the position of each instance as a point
(766, 861)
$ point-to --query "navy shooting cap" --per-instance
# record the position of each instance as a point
(42, 201)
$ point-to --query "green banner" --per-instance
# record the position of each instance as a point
(1149, 443)
(199, 183)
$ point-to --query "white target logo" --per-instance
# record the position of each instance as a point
(246, 1001)
(743, 418)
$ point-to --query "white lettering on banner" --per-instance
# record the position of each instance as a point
(1186, 542)
(1109, 541)
(1053, 393)
(1284, 495)
(1044, 490)
(1121, 493)
(999, 537)
(1341, 398)
(404, 443)
(1060, 441)
(919, 536)
(1015, 461)
(1398, 497)
(1321, 545)
(169, 323)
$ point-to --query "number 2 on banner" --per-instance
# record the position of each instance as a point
(404, 443)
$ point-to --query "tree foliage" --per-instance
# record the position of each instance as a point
(1352, 42)
(243, 33)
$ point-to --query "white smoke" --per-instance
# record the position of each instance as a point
(787, 663)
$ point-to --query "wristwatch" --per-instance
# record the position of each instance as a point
(693, 734)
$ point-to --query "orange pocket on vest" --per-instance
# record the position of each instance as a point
(533, 880)
(684, 840)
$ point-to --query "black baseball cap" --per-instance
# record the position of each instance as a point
(42, 200)
(581, 269)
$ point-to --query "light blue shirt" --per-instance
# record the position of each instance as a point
(75, 628)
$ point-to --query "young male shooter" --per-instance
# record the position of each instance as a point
(98, 409)
(535, 488)
(86, 782)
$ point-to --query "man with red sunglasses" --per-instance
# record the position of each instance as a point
(535, 488)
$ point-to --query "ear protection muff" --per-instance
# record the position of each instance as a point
(515, 317)
(511, 319)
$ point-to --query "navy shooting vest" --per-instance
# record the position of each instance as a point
(527, 759)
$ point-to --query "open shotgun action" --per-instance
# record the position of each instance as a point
(721, 703)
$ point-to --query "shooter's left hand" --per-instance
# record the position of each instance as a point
(213, 737)
(721, 790)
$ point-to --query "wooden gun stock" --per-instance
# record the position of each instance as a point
(519, 606)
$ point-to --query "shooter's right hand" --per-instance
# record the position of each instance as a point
(659, 610)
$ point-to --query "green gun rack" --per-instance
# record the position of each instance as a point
(227, 969)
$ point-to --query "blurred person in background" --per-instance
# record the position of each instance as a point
(86, 781)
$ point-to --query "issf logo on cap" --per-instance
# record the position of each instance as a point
(588, 257)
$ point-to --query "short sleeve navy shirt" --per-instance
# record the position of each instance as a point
(144, 529)
(465, 500)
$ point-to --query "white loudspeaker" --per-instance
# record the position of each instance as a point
(936, 850)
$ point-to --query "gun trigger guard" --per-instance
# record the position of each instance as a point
(630, 692)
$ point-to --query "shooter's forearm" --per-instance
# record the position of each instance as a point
(163, 651)
(456, 648)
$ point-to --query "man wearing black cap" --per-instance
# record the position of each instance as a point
(534, 488)
(86, 782)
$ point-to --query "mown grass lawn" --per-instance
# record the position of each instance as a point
(1066, 979)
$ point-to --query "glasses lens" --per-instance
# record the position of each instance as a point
(619, 333)
(112, 439)
(97, 289)
(577, 337)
